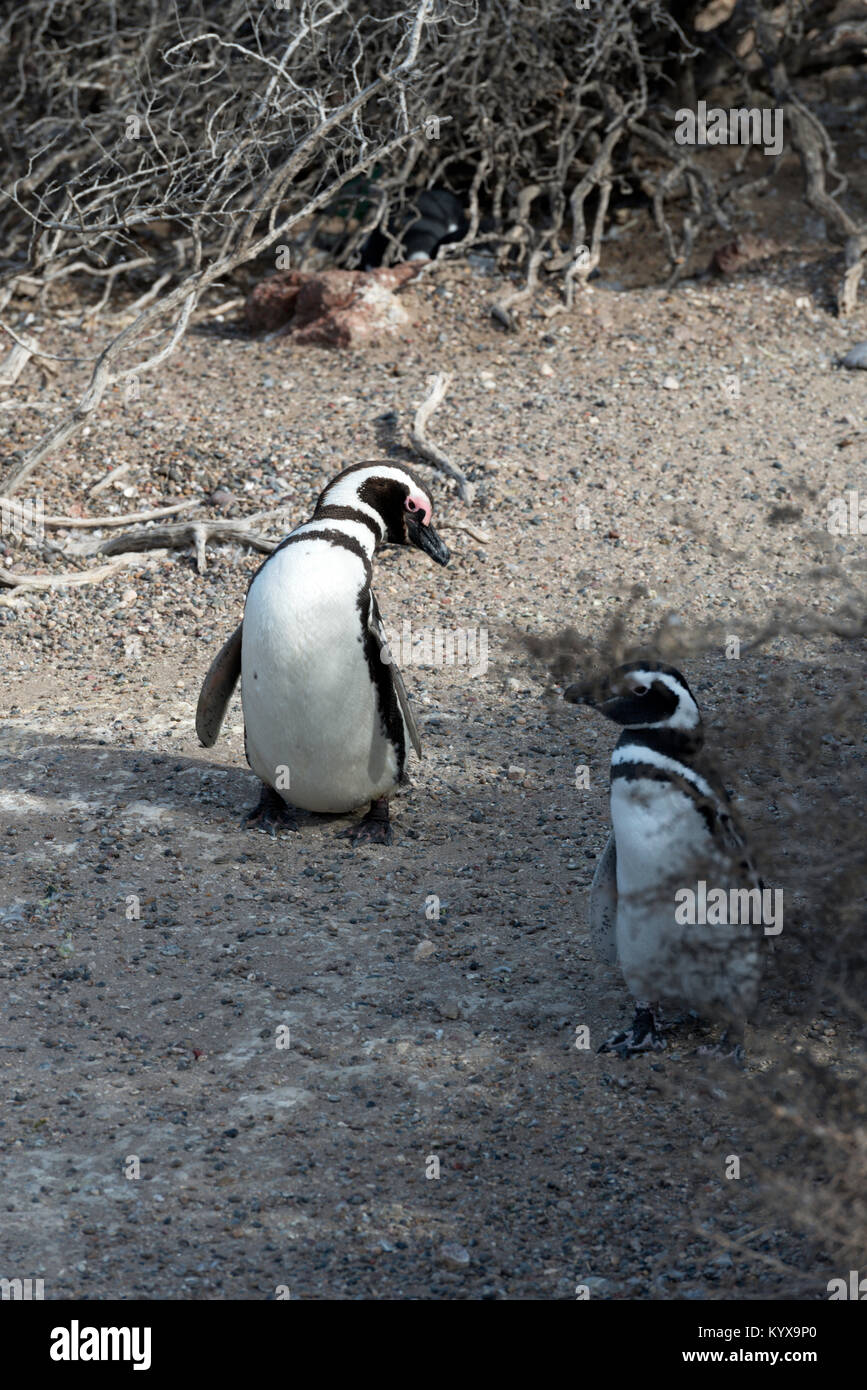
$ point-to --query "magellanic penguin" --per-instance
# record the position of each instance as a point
(440, 220)
(673, 829)
(327, 720)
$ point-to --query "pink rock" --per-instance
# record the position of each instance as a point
(332, 308)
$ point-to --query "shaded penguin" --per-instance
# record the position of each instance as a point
(433, 218)
(672, 830)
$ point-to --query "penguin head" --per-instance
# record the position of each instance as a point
(394, 499)
(641, 695)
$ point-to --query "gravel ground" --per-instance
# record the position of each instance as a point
(151, 949)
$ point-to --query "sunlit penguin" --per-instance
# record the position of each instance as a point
(672, 830)
(327, 720)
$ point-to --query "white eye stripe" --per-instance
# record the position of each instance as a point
(686, 713)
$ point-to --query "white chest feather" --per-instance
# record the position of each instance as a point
(311, 711)
(663, 846)
(659, 833)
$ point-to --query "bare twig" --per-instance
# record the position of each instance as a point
(92, 523)
(28, 405)
(425, 449)
(227, 307)
(481, 536)
(62, 581)
(14, 364)
(111, 476)
(196, 533)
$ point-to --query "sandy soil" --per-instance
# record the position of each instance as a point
(151, 949)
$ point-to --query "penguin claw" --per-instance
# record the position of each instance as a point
(725, 1051)
(270, 814)
(641, 1036)
(373, 828)
(625, 1044)
(269, 823)
(369, 832)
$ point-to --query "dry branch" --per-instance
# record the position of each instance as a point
(196, 533)
(92, 523)
(428, 451)
(14, 364)
(259, 229)
(478, 535)
(28, 405)
(108, 478)
(62, 581)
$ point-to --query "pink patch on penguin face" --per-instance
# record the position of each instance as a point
(418, 505)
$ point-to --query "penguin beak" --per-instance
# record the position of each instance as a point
(608, 696)
(426, 539)
(582, 694)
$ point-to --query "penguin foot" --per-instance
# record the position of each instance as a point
(730, 1048)
(271, 814)
(642, 1035)
(373, 828)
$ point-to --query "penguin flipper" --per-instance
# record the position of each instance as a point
(727, 832)
(400, 690)
(603, 905)
(217, 689)
(406, 708)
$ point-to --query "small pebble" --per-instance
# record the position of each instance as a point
(454, 1256)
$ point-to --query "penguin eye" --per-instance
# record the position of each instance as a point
(640, 689)
(411, 506)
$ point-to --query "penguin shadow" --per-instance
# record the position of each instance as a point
(52, 783)
(223, 798)
(57, 777)
(232, 792)
(54, 777)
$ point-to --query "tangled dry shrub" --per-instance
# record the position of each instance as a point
(164, 149)
(118, 119)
